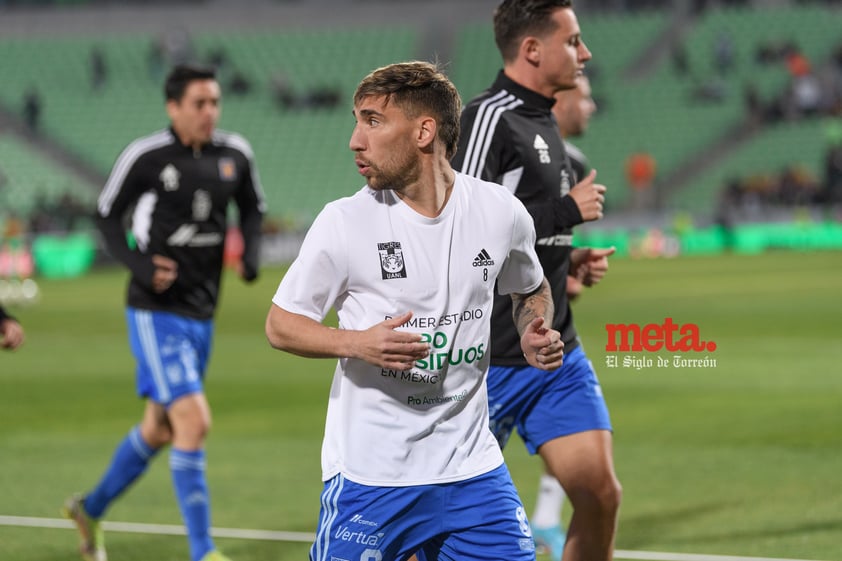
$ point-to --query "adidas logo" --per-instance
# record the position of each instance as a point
(483, 259)
(542, 148)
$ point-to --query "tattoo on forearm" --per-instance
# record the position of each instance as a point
(527, 307)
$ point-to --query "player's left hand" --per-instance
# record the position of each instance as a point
(166, 271)
(248, 275)
(596, 265)
(542, 347)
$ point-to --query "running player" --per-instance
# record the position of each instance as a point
(179, 182)
(510, 137)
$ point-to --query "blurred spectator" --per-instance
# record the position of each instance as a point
(319, 97)
(680, 63)
(712, 90)
(282, 91)
(239, 84)
(640, 170)
(773, 51)
(99, 69)
(178, 47)
(32, 109)
(797, 63)
(832, 189)
(218, 59)
(755, 110)
(726, 212)
(323, 97)
(836, 58)
(61, 216)
(156, 60)
(723, 52)
(753, 196)
(796, 186)
(806, 95)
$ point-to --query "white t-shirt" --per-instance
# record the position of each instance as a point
(372, 257)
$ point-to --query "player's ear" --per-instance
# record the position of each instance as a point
(427, 128)
(172, 109)
(530, 49)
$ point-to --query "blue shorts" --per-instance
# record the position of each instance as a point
(171, 352)
(477, 519)
(546, 405)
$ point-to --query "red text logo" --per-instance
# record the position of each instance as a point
(653, 337)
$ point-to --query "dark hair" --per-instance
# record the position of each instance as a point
(180, 77)
(516, 19)
(418, 87)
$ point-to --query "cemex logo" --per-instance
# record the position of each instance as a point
(653, 337)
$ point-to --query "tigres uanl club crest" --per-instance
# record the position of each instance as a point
(392, 265)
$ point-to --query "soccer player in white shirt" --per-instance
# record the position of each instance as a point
(410, 263)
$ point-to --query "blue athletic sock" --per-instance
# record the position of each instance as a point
(191, 490)
(128, 463)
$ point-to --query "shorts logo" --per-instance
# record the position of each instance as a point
(483, 259)
(526, 544)
(227, 169)
(392, 265)
(522, 521)
(358, 519)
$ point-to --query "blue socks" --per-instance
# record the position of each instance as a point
(191, 489)
(128, 463)
(188, 476)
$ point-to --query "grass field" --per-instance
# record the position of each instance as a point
(738, 459)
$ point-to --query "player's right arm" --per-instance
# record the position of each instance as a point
(381, 344)
(124, 187)
(315, 281)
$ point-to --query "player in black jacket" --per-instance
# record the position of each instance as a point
(177, 184)
(509, 136)
(573, 110)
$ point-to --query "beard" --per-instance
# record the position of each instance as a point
(399, 171)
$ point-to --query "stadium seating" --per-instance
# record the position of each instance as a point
(800, 143)
(302, 153)
(27, 178)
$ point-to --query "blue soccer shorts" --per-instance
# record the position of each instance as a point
(171, 352)
(477, 519)
(546, 405)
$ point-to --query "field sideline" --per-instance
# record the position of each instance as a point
(737, 459)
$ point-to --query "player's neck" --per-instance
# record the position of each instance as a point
(189, 141)
(428, 195)
(521, 72)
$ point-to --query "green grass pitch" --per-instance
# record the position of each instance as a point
(738, 459)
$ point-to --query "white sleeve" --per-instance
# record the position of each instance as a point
(522, 272)
(319, 274)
